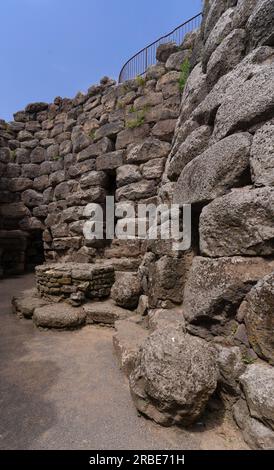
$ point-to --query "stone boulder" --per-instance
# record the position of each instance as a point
(211, 174)
(174, 377)
(260, 24)
(261, 160)
(126, 290)
(59, 316)
(216, 287)
(258, 311)
(26, 302)
(255, 433)
(221, 29)
(164, 51)
(227, 224)
(258, 386)
(231, 367)
(149, 149)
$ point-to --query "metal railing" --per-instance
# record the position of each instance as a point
(139, 63)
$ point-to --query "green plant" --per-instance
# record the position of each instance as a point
(141, 81)
(138, 121)
(248, 360)
(56, 157)
(92, 134)
(185, 70)
(132, 109)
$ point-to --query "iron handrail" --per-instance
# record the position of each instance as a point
(139, 62)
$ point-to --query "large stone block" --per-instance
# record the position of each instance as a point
(149, 149)
(214, 172)
(141, 190)
(174, 377)
(227, 225)
(258, 386)
(252, 102)
(261, 24)
(110, 161)
(221, 29)
(261, 160)
(215, 288)
(258, 312)
(130, 136)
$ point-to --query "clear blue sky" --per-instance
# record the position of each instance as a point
(52, 48)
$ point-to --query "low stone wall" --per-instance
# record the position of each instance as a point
(76, 282)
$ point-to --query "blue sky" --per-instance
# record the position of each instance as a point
(52, 48)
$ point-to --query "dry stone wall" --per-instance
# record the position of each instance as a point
(56, 158)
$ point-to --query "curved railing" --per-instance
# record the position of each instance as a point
(139, 63)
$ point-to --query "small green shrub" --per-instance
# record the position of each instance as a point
(13, 155)
(56, 157)
(141, 81)
(138, 121)
(185, 70)
(132, 110)
(92, 134)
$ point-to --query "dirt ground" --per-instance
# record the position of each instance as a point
(63, 390)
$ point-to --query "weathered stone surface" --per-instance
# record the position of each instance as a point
(80, 141)
(59, 316)
(242, 12)
(150, 99)
(164, 129)
(110, 161)
(38, 155)
(213, 10)
(252, 102)
(109, 130)
(214, 172)
(176, 60)
(153, 169)
(127, 341)
(94, 178)
(216, 287)
(254, 64)
(20, 184)
(221, 29)
(130, 136)
(26, 302)
(191, 147)
(260, 24)
(255, 433)
(194, 93)
(160, 318)
(94, 150)
(231, 367)
(174, 377)
(151, 148)
(258, 311)
(165, 50)
(104, 312)
(227, 55)
(227, 224)
(258, 385)
(128, 174)
(126, 291)
(261, 160)
(141, 190)
(32, 198)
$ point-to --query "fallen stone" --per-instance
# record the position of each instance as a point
(174, 377)
(126, 291)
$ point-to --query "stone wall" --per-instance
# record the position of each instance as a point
(56, 158)
(222, 163)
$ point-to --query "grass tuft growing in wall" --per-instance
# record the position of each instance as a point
(185, 70)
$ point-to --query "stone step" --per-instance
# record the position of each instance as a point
(60, 316)
(105, 312)
(129, 337)
(25, 302)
